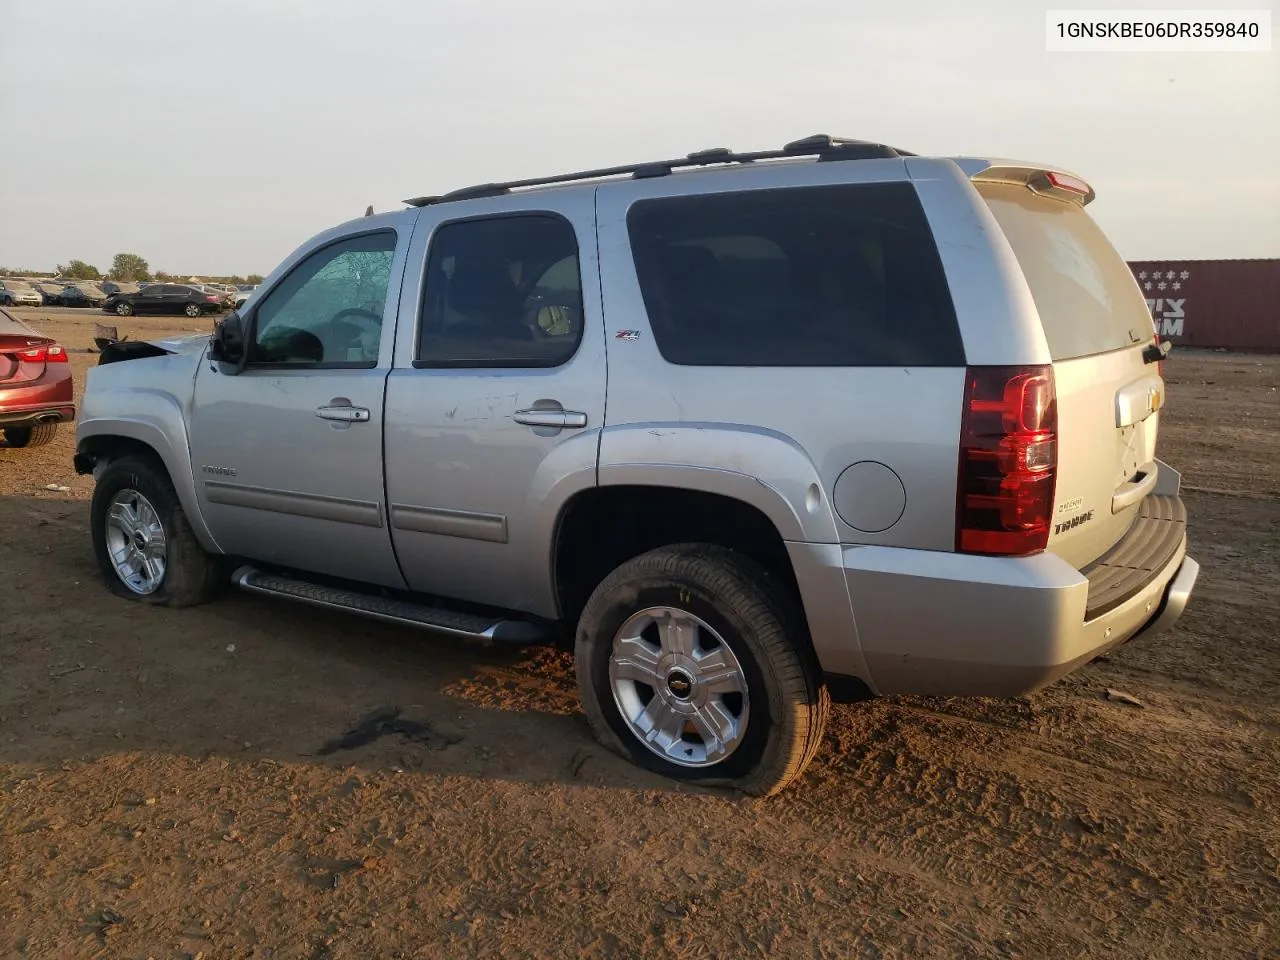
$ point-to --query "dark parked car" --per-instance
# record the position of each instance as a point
(36, 392)
(82, 295)
(50, 292)
(164, 298)
(119, 286)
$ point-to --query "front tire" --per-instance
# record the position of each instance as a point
(124, 310)
(693, 662)
(34, 436)
(193, 310)
(144, 545)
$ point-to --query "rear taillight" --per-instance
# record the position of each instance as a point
(211, 298)
(1065, 181)
(52, 353)
(1008, 461)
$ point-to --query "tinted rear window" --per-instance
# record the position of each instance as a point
(11, 326)
(832, 276)
(1084, 292)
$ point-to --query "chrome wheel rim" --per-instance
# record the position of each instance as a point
(193, 310)
(122, 309)
(679, 688)
(136, 542)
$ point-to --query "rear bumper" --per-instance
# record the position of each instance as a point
(949, 624)
(50, 399)
(30, 417)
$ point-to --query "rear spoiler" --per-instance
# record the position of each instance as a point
(1044, 180)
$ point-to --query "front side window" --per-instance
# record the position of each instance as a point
(844, 275)
(329, 308)
(502, 292)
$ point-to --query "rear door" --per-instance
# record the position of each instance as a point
(174, 298)
(496, 401)
(1097, 326)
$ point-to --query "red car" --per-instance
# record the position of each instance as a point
(36, 392)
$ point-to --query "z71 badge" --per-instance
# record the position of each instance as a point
(1074, 522)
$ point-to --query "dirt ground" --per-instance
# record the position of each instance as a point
(163, 793)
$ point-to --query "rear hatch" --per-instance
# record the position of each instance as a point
(22, 353)
(1108, 385)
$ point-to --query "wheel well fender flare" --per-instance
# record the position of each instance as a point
(165, 436)
(762, 468)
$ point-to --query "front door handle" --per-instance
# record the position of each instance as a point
(344, 413)
(556, 419)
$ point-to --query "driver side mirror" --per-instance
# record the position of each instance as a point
(230, 341)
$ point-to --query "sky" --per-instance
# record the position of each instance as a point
(213, 138)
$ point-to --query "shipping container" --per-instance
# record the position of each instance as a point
(1213, 303)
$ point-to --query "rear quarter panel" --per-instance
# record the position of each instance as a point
(794, 431)
(998, 319)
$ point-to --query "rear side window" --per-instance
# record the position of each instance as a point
(502, 292)
(840, 276)
(1084, 292)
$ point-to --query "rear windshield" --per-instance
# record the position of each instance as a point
(1084, 292)
(11, 326)
(844, 275)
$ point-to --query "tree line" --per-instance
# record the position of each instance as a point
(125, 267)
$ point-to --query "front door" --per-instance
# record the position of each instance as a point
(288, 453)
(496, 401)
(150, 299)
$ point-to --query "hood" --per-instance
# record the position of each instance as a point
(189, 343)
(113, 351)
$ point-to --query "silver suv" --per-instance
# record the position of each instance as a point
(751, 431)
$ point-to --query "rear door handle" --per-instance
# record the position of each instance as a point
(344, 414)
(1132, 491)
(557, 419)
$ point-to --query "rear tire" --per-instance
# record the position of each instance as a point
(143, 499)
(762, 738)
(193, 310)
(35, 436)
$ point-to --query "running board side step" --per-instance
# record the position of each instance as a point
(470, 626)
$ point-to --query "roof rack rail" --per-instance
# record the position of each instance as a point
(820, 145)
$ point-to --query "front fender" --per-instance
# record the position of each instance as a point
(763, 468)
(155, 418)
